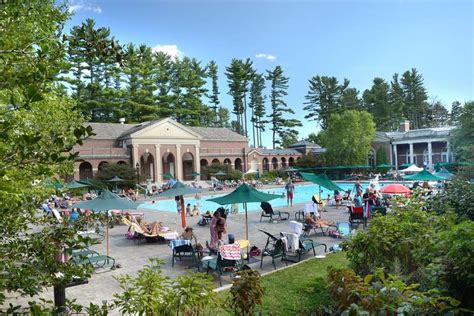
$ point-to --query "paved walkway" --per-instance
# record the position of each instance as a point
(132, 256)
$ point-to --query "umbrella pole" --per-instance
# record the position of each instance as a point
(107, 234)
(247, 232)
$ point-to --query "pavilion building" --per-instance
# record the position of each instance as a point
(164, 146)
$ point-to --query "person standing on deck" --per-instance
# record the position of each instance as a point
(290, 190)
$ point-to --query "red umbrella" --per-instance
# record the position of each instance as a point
(396, 188)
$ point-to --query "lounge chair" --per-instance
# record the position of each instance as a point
(356, 215)
(183, 249)
(270, 213)
(273, 248)
(298, 244)
(228, 261)
(140, 234)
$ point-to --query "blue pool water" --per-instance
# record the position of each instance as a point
(303, 194)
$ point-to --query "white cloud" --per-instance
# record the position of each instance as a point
(83, 6)
(269, 57)
(170, 49)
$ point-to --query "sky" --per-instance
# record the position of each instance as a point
(357, 40)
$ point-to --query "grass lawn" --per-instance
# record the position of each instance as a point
(298, 289)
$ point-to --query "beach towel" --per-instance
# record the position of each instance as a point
(179, 242)
(230, 252)
(293, 241)
(296, 228)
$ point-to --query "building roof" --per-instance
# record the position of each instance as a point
(304, 143)
(217, 133)
(432, 132)
(381, 137)
(276, 152)
(117, 130)
(109, 130)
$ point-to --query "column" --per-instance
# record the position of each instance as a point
(158, 166)
(430, 156)
(135, 157)
(412, 157)
(395, 155)
(179, 163)
(197, 161)
(448, 153)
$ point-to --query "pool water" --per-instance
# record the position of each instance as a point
(303, 194)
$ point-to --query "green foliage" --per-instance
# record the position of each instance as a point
(37, 131)
(415, 105)
(310, 160)
(123, 171)
(377, 293)
(151, 293)
(458, 198)
(438, 115)
(257, 104)
(231, 173)
(246, 292)
(348, 138)
(462, 139)
(420, 246)
(280, 126)
(381, 156)
(214, 97)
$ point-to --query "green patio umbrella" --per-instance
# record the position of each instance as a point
(53, 184)
(444, 173)
(195, 174)
(180, 189)
(107, 201)
(220, 173)
(384, 166)
(116, 179)
(245, 194)
(76, 185)
(423, 175)
(168, 176)
(322, 180)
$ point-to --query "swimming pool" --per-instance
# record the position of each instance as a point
(303, 194)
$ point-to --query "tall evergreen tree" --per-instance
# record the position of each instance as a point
(90, 53)
(323, 99)
(236, 80)
(350, 99)
(280, 126)
(257, 105)
(214, 97)
(438, 114)
(396, 101)
(248, 73)
(223, 117)
(376, 102)
(456, 110)
(415, 99)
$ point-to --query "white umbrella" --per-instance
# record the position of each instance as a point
(412, 168)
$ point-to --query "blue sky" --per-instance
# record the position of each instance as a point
(358, 40)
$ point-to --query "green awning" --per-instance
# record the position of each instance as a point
(423, 175)
(244, 194)
(195, 174)
(385, 166)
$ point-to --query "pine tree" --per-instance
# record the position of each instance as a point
(164, 74)
(280, 126)
(257, 105)
(323, 99)
(438, 114)
(456, 110)
(214, 97)
(397, 103)
(248, 73)
(223, 117)
(236, 80)
(90, 52)
(350, 99)
(415, 99)
(376, 102)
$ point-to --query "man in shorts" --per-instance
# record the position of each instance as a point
(290, 190)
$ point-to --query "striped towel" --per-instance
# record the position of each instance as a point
(230, 252)
(179, 242)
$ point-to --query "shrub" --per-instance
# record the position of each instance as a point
(151, 293)
(380, 294)
(231, 173)
(246, 292)
(458, 197)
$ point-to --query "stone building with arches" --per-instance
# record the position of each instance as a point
(164, 146)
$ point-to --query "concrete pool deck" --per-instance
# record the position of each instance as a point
(132, 256)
